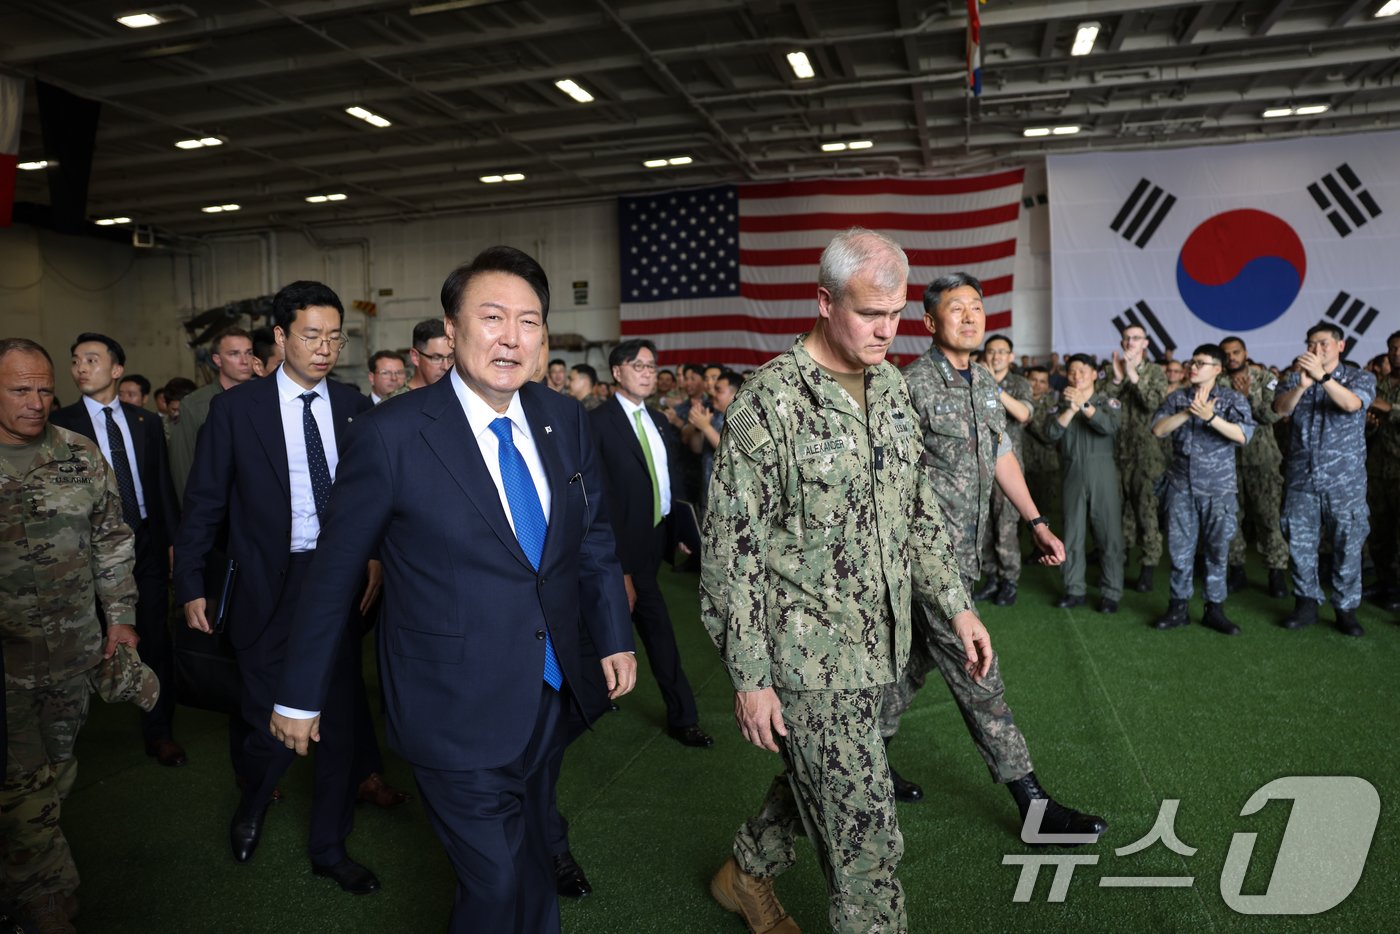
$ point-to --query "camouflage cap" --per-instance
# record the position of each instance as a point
(124, 677)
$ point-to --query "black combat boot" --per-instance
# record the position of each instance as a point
(1304, 614)
(904, 790)
(1176, 616)
(1144, 582)
(988, 590)
(1006, 596)
(1235, 579)
(1278, 583)
(1216, 619)
(1057, 818)
(1347, 624)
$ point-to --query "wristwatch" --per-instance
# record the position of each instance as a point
(1038, 520)
(1213, 416)
(1324, 377)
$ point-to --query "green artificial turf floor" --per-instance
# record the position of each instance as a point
(1118, 718)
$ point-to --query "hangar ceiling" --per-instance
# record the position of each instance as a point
(468, 90)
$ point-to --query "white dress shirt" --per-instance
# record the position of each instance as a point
(99, 423)
(479, 417)
(658, 448)
(306, 525)
(373, 398)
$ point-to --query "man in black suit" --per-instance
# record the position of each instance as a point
(482, 495)
(133, 442)
(640, 458)
(265, 463)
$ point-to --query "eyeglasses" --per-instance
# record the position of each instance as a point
(1197, 364)
(314, 341)
(390, 374)
(640, 367)
(435, 358)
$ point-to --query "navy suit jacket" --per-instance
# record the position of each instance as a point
(629, 483)
(240, 476)
(461, 635)
(152, 463)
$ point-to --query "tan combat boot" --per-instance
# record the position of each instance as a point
(48, 914)
(752, 897)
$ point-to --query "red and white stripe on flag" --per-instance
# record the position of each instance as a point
(945, 225)
(11, 109)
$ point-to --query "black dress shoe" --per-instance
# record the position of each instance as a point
(691, 736)
(1070, 600)
(904, 789)
(246, 829)
(569, 879)
(1107, 606)
(1057, 818)
(1006, 596)
(350, 876)
(166, 751)
(988, 590)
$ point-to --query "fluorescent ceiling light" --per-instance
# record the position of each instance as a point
(337, 196)
(514, 176)
(34, 166)
(1036, 131)
(570, 87)
(650, 163)
(1278, 112)
(373, 119)
(198, 143)
(679, 160)
(110, 221)
(1065, 130)
(833, 147)
(211, 141)
(1389, 9)
(139, 20)
(492, 179)
(1306, 110)
(220, 208)
(860, 144)
(322, 199)
(801, 65)
(1084, 39)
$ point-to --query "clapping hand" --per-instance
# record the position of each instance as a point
(1241, 380)
(699, 416)
(1311, 366)
(1118, 372)
(1203, 407)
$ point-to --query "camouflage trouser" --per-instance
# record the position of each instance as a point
(42, 725)
(1209, 519)
(1140, 518)
(1001, 550)
(1260, 502)
(837, 790)
(1383, 493)
(1309, 519)
(982, 704)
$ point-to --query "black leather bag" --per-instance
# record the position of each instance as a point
(206, 668)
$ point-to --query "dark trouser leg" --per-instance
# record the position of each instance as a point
(1076, 515)
(653, 622)
(152, 573)
(488, 822)
(368, 758)
(1105, 515)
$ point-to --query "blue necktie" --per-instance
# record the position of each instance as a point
(530, 525)
(315, 455)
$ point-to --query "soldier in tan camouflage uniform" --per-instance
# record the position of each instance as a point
(63, 549)
(1260, 478)
(1383, 423)
(1001, 550)
(821, 534)
(966, 454)
(1141, 387)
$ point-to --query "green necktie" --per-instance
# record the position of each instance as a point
(651, 469)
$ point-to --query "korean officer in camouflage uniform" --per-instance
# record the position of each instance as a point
(1084, 424)
(63, 550)
(1384, 495)
(1001, 550)
(1140, 386)
(967, 455)
(1325, 475)
(1042, 459)
(1207, 423)
(1259, 462)
(821, 534)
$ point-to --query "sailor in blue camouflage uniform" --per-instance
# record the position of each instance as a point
(1207, 424)
(1325, 475)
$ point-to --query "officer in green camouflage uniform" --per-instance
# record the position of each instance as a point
(967, 454)
(821, 533)
(1383, 490)
(63, 550)
(1042, 459)
(1001, 551)
(1260, 477)
(1141, 387)
(1085, 424)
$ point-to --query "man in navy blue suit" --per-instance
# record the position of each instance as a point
(264, 464)
(481, 493)
(133, 442)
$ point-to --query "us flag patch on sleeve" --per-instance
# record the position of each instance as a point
(748, 431)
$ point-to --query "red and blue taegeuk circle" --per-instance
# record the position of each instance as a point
(1241, 270)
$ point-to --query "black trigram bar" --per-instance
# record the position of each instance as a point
(1343, 200)
(1030, 201)
(1158, 340)
(1144, 210)
(1351, 313)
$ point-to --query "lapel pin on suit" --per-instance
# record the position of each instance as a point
(548, 430)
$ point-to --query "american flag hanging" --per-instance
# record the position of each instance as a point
(728, 274)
